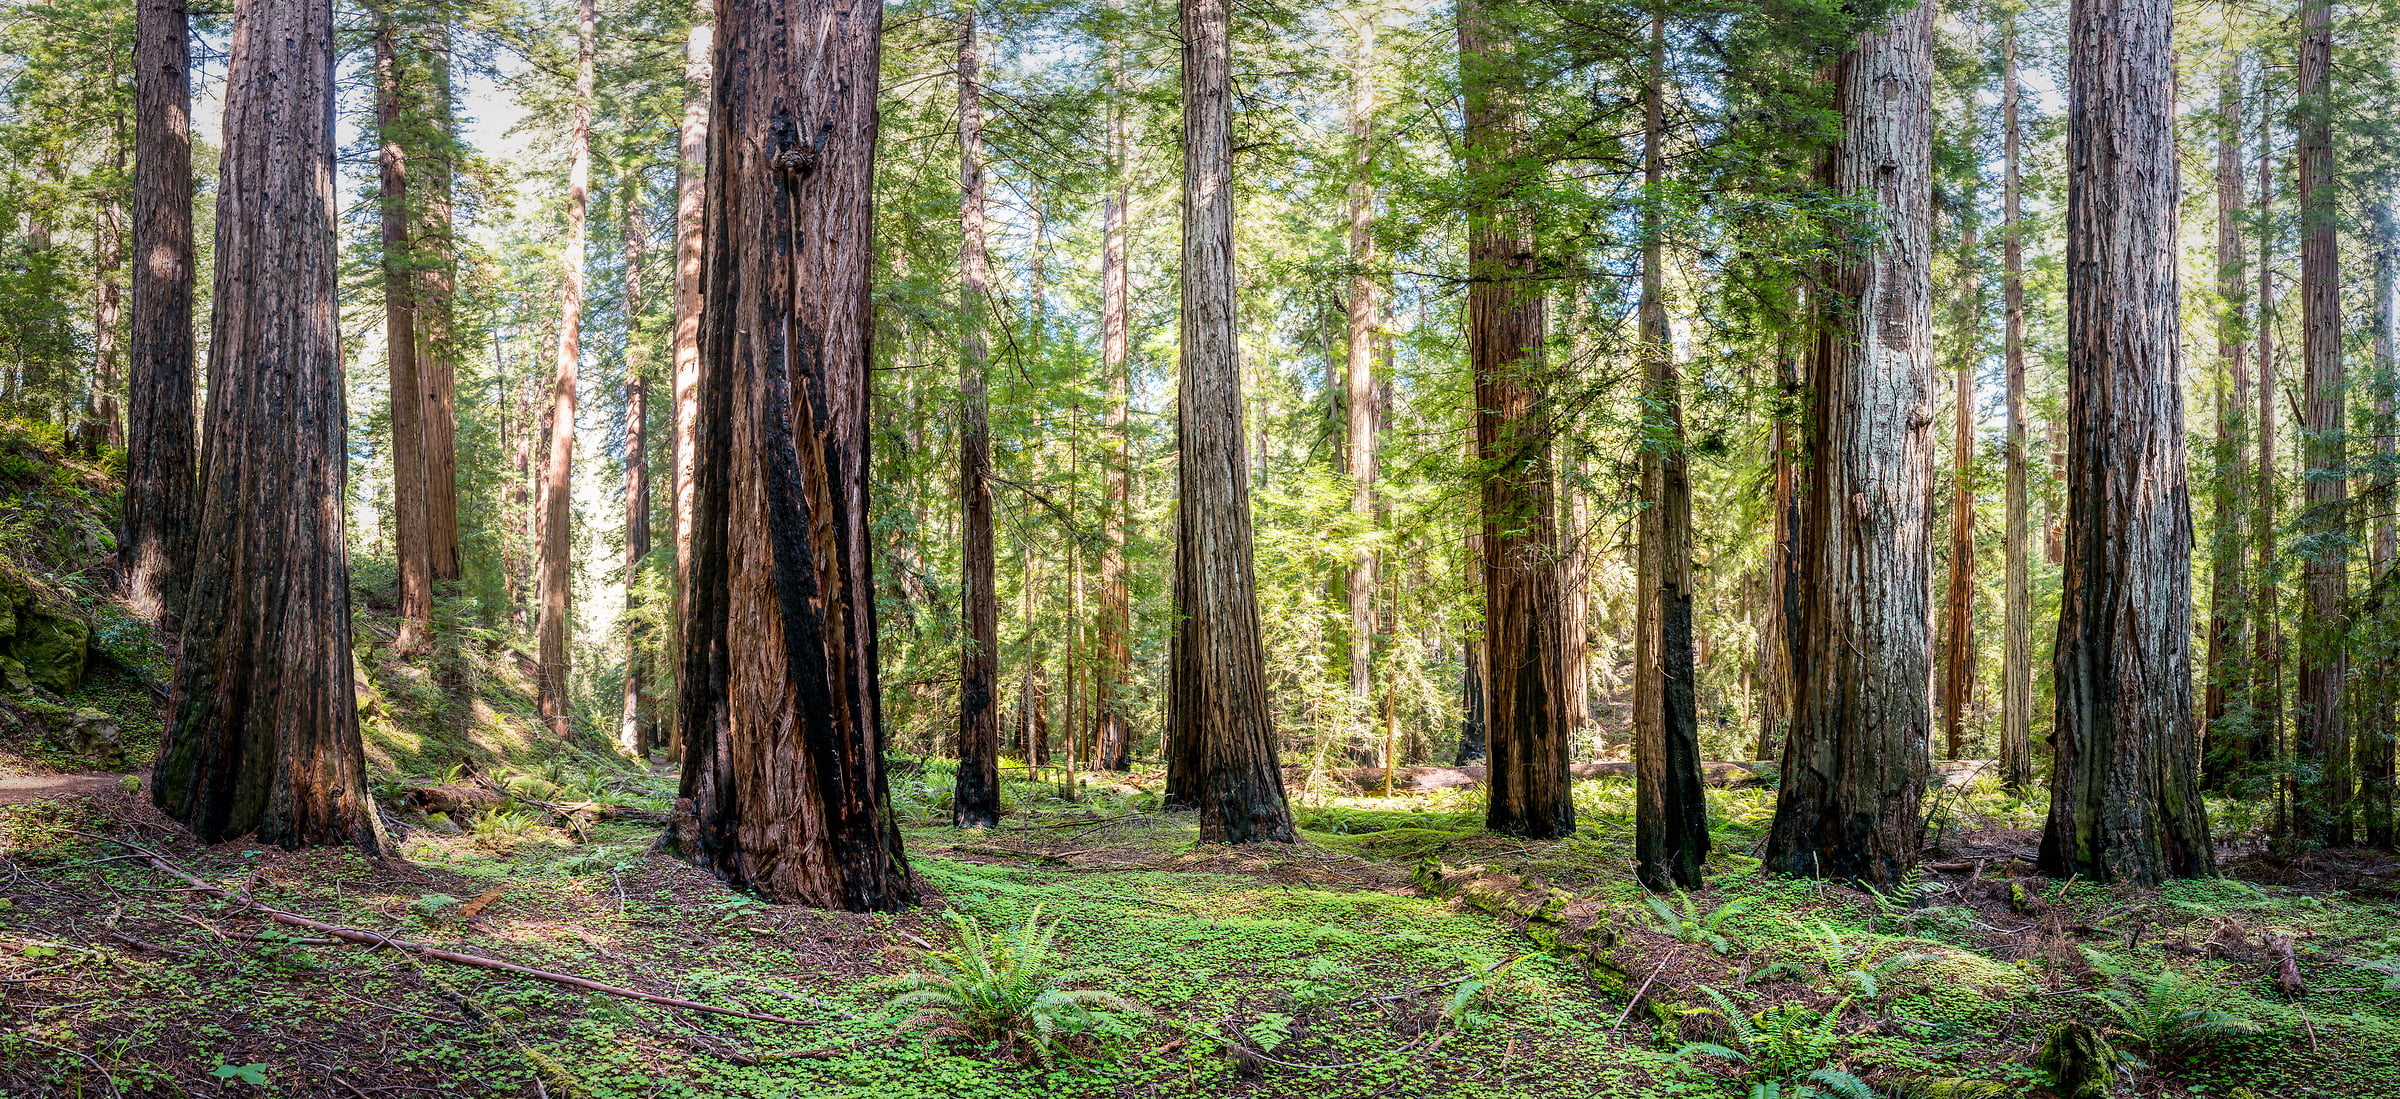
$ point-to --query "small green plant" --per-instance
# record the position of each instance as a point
(1003, 987)
(1695, 927)
(1459, 1010)
(2161, 1014)
(433, 908)
(1785, 1052)
(501, 829)
(253, 1075)
(1852, 967)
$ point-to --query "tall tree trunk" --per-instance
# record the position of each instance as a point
(154, 538)
(633, 723)
(1473, 737)
(1358, 456)
(2125, 787)
(1670, 824)
(1854, 764)
(783, 788)
(393, 122)
(976, 802)
(2266, 726)
(1114, 734)
(1221, 732)
(1958, 672)
(2226, 731)
(434, 255)
(108, 243)
(2322, 812)
(2376, 756)
(1525, 665)
(2016, 661)
(691, 171)
(264, 734)
(558, 470)
(1785, 565)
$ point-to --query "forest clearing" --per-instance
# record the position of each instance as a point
(1785, 549)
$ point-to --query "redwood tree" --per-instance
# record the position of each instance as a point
(264, 731)
(558, 468)
(1854, 762)
(1112, 735)
(1524, 662)
(2321, 810)
(2227, 737)
(783, 789)
(976, 802)
(2016, 660)
(2125, 785)
(1220, 732)
(691, 167)
(154, 538)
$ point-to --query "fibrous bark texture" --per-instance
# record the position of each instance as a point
(1358, 452)
(1958, 657)
(1220, 731)
(1113, 735)
(2016, 661)
(976, 802)
(558, 469)
(154, 538)
(2125, 785)
(2226, 737)
(1854, 763)
(264, 732)
(1670, 833)
(2321, 810)
(783, 791)
(691, 169)
(1524, 665)
(633, 722)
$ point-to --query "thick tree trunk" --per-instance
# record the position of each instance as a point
(393, 122)
(558, 469)
(264, 733)
(1958, 662)
(1358, 455)
(2322, 812)
(1220, 730)
(1670, 824)
(1114, 734)
(2016, 660)
(434, 253)
(2266, 727)
(1785, 569)
(1524, 660)
(976, 802)
(633, 722)
(691, 170)
(2226, 732)
(1854, 764)
(154, 539)
(1473, 742)
(783, 790)
(2125, 787)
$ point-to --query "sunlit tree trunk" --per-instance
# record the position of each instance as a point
(1220, 730)
(1670, 835)
(1958, 662)
(1113, 736)
(1359, 376)
(2125, 786)
(413, 554)
(2265, 620)
(557, 487)
(1779, 629)
(2016, 671)
(154, 537)
(633, 722)
(1524, 663)
(783, 790)
(434, 261)
(2226, 731)
(264, 731)
(1854, 764)
(976, 802)
(2321, 802)
(691, 170)
(108, 243)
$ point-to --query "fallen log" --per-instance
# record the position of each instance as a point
(369, 938)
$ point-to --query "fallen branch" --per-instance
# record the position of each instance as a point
(1637, 995)
(2287, 967)
(369, 938)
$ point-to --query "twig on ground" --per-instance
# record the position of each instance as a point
(87, 1059)
(370, 938)
(1637, 995)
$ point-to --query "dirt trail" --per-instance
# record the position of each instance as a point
(20, 789)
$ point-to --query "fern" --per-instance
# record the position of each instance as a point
(1785, 1052)
(1695, 927)
(2162, 1013)
(1001, 987)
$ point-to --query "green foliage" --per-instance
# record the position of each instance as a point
(1787, 1051)
(2164, 1014)
(1003, 987)
(1857, 966)
(1690, 925)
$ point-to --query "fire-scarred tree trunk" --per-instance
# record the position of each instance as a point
(1670, 833)
(264, 734)
(633, 722)
(2321, 810)
(1854, 763)
(2227, 738)
(1358, 453)
(558, 469)
(2016, 667)
(691, 168)
(1221, 735)
(1958, 659)
(154, 538)
(783, 788)
(976, 802)
(1524, 662)
(2125, 786)
(1114, 733)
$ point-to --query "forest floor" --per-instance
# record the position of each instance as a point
(1369, 960)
